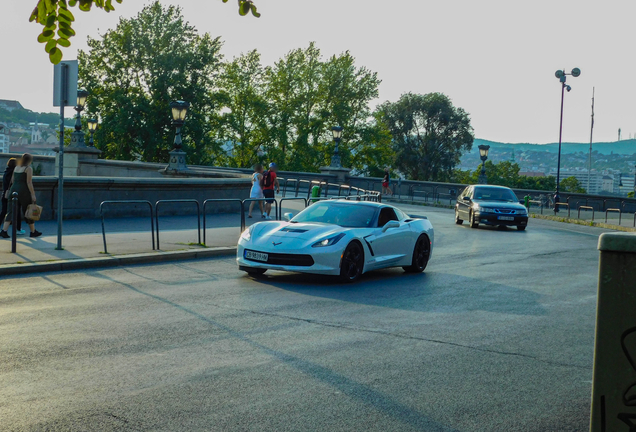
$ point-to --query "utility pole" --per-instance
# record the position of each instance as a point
(589, 168)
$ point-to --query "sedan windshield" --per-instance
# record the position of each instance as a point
(485, 193)
(345, 215)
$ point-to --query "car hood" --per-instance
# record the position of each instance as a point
(500, 205)
(300, 231)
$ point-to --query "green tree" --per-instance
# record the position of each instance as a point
(136, 70)
(56, 20)
(308, 96)
(429, 135)
(244, 125)
(571, 184)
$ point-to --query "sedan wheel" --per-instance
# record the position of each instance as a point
(352, 262)
(473, 223)
(458, 221)
(421, 252)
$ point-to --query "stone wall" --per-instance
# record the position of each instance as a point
(83, 195)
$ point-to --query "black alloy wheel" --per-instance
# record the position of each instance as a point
(473, 223)
(352, 262)
(458, 221)
(421, 253)
(521, 227)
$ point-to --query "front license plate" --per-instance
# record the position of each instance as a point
(509, 218)
(256, 256)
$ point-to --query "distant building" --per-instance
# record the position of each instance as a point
(595, 179)
(10, 105)
(5, 143)
(532, 173)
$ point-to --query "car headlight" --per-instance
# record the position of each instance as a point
(522, 212)
(329, 241)
(481, 209)
(247, 234)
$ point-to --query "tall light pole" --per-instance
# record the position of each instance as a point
(337, 136)
(561, 75)
(483, 154)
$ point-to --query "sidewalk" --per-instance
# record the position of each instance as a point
(126, 237)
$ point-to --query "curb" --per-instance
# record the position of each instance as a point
(583, 222)
(115, 261)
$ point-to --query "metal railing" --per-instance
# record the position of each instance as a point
(184, 201)
(616, 210)
(586, 208)
(558, 204)
(224, 200)
(280, 202)
(152, 226)
(264, 201)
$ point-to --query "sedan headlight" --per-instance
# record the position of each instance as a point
(247, 234)
(329, 241)
(481, 209)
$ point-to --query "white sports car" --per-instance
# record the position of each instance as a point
(338, 237)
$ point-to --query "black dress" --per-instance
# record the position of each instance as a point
(6, 185)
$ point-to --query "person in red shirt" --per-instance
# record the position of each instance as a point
(268, 182)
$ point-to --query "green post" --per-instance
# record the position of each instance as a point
(527, 202)
(315, 193)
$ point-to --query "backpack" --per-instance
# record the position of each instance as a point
(267, 179)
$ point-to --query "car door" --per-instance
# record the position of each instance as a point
(463, 206)
(392, 245)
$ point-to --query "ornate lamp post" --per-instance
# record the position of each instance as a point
(92, 127)
(77, 137)
(483, 154)
(337, 136)
(177, 155)
(561, 75)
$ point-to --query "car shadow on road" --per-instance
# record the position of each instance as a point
(426, 292)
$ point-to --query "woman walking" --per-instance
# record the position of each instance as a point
(386, 190)
(6, 186)
(22, 183)
(257, 191)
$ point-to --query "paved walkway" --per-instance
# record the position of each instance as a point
(83, 237)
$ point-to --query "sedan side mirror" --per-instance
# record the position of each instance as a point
(466, 198)
(390, 224)
(288, 216)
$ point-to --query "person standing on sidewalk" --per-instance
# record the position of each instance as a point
(22, 183)
(268, 182)
(386, 190)
(6, 186)
(257, 191)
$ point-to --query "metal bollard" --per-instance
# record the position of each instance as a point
(14, 222)
(614, 378)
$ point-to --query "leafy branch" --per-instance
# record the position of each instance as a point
(57, 20)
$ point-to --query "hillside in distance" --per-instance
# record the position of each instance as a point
(623, 147)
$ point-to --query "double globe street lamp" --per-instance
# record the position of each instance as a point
(337, 136)
(561, 75)
(77, 137)
(92, 127)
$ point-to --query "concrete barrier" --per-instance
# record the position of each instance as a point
(614, 379)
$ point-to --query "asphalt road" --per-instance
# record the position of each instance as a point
(496, 335)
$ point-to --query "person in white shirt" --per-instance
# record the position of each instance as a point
(257, 191)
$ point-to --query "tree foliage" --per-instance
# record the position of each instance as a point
(505, 173)
(136, 70)
(56, 19)
(571, 184)
(429, 135)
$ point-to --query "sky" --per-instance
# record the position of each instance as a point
(494, 58)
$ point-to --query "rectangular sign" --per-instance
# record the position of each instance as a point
(69, 87)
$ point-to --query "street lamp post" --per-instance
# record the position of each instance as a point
(337, 136)
(483, 154)
(561, 75)
(177, 155)
(92, 127)
(77, 137)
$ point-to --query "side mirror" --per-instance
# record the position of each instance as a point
(288, 216)
(390, 224)
(522, 202)
(466, 198)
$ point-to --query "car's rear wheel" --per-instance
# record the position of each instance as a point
(473, 223)
(458, 221)
(421, 252)
(253, 271)
(352, 262)
(521, 227)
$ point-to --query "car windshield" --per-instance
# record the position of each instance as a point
(345, 215)
(485, 193)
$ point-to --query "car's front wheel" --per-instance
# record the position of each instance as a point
(521, 227)
(458, 221)
(421, 252)
(253, 271)
(352, 262)
(473, 222)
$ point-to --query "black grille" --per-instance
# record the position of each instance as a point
(288, 259)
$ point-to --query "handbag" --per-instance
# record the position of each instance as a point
(33, 212)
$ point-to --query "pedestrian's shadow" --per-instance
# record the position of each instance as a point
(426, 292)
